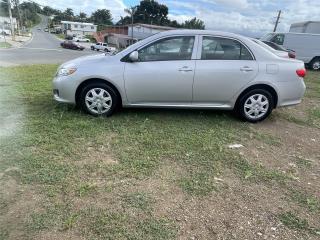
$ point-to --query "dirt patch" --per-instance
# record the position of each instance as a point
(58, 236)
(19, 201)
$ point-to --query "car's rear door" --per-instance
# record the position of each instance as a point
(223, 67)
(164, 73)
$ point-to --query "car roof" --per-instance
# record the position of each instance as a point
(199, 32)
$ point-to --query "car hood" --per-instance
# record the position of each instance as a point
(85, 60)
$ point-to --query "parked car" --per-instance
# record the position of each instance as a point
(291, 53)
(184, 69)
(305, 45)
(280, 53)
(102, 46)
(80, 39)
(68, 37)
(72, 45)
(46, 29)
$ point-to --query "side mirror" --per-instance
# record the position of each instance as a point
(134, 56)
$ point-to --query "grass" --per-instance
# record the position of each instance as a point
(60, 36)
(292, 221)
(5, 45)
(87, 171)
(305, 200)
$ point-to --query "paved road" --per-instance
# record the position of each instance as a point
(43, 48)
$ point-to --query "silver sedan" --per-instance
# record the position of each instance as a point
(184, 69)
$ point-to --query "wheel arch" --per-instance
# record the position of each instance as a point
(96, 80)
(259, 86)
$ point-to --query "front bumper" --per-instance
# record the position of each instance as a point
(64, 89)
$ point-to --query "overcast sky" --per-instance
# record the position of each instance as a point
(249, 17)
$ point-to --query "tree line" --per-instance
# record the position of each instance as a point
(147, 12)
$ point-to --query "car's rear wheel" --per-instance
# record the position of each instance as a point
(315, 64)
(256, 105)
(99, 99)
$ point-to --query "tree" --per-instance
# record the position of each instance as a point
(102, 17)
(50, 11)
(68, 14)
(194, 23)
(151, 12)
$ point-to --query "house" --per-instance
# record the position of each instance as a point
(141, 31)
(78, 28)
(306, 27)
(122, 35)
(5, 24)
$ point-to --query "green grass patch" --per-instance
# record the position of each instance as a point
(60, 36)
(138, 200)
(292, 221)
(5, 45)
(305, 200)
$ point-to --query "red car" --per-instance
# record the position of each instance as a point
(72, 45)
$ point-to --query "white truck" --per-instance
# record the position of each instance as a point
(306, 46)
(102, 46)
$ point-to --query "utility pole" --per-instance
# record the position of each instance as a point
(19, 15)
(11, 21)
(277, 21)
(131, 11)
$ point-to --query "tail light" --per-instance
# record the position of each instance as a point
(301, 72)
(292, 54)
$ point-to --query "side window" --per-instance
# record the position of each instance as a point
(168, 49)
(278, 39)
(215, 48)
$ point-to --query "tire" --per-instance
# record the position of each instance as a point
(253, 112)
(97, 101)
(315, 64)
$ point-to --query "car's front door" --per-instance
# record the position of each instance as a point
(164, 73)
(224, 66)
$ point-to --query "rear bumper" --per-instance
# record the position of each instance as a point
(291, 92)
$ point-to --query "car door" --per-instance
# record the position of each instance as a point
(164, 73)
(224, 67)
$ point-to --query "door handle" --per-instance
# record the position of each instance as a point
(185, 69)
(246, 69)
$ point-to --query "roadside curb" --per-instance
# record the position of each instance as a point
(22, 45)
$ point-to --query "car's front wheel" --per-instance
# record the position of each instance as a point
(256, 105)
(99, 99)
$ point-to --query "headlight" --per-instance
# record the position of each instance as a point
(66, 71)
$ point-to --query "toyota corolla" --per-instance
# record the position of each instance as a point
(184, 69)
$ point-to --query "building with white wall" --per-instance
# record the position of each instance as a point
(78, 28)
(141, 31)
(5, 24)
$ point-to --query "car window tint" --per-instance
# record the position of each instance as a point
(168, 49)
(215, 48)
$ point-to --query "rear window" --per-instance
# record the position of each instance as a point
(217, 48)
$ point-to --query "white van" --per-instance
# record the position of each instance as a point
(306, 46)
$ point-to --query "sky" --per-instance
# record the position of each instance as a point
(248, 17)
